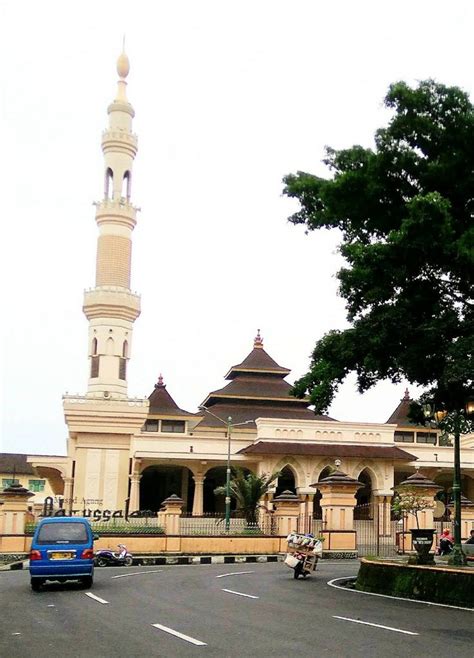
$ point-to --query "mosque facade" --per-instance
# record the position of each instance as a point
(129, 453)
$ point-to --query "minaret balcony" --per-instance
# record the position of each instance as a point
(111, 302)
(112, 211)
(119, 141)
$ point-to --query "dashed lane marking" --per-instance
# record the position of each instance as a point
(96, 598)
(234, 573)
(182, 636)
(368, 623)
(137, 573)
(249, 596)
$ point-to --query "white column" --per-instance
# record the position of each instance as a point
(134, 504)
(198, 503)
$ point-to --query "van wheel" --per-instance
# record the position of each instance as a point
(128, 561)
(36, 584)
(87, 581)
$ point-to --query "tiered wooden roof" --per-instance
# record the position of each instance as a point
(256, 388)
(161, 402)
(400, 415)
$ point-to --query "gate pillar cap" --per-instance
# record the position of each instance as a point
(338, 477)
(17, 489)
(465, 502)
(173, 500)
(418, 480)
(287, 497)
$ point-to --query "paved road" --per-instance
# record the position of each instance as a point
(287, 618)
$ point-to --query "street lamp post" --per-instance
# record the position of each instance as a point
(455, 423)
(229, 425)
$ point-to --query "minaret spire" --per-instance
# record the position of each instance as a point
(111, 307)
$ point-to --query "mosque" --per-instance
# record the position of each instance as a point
(125, 452)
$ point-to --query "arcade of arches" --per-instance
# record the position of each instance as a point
(158, 482)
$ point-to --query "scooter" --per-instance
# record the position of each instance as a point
(104, 557)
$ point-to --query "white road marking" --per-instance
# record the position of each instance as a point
(51, 605)
(180, 635)
(249, 596)
(233, 573)
(388, 596)
(368, 623)
(96, 598)
(137, 573)
(16, 633)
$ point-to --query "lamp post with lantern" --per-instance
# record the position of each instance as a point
(454, 423)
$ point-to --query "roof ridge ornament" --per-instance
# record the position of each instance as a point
(258, 340)
(406, 395)
(159, 383)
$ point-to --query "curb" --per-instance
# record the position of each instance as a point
(204, 559)
(14, 566)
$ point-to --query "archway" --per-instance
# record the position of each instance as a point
(158, 482)
(363, 509)
(286, 481)
(216, 477)
(317, 510)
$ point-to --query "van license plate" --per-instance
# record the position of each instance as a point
(61, 556)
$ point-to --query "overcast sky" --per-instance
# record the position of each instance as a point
(229, 97)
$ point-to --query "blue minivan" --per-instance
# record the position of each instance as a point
(62, 549)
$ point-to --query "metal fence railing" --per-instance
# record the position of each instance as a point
(117, 527)
(212, 525)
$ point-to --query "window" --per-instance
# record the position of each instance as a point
(172, 425)
(426, 437)
(151, 426)
(405, 437)
(7, 482)
(123, 369)
(36, 485)
(63, 533)
(95, 360)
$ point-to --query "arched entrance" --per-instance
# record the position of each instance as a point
(317, 510)
(158, 482)
(286, 481)
(363, 509)
(216, 477)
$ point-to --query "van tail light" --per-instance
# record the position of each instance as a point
(35, 555)
(87, 554)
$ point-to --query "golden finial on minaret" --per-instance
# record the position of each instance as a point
(123, 64)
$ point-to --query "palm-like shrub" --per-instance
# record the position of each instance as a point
(247, 490)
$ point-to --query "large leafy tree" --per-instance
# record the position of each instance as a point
(405, 211)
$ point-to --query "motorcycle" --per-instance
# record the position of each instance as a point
(105, 557)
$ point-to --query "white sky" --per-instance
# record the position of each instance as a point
(229, 97)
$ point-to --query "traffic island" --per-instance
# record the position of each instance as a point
(436, 584)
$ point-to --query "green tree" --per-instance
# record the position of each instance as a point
(247, 490)
(405, 211)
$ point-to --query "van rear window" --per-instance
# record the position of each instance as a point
(63, 533)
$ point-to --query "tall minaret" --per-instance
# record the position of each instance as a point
(111, 307)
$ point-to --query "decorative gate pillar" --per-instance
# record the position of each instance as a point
(467, 516)
(287, 510)
(13, 516)
(337, 503)
(427, 489)
(198, 502)
(171, 509)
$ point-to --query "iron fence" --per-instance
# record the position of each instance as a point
(212, 525)
(117, 527)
